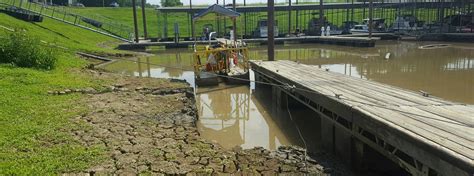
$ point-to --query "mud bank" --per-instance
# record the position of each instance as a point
(149, 126)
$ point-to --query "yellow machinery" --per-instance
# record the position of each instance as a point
(230, 62)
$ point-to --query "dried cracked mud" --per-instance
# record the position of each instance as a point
(148, 127)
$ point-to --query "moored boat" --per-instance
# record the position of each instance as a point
(225, 61)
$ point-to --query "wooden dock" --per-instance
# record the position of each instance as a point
(334, 40)
(381, 36)
(448, 37)
(424, 135)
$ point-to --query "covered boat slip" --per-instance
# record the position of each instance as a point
(422, 134)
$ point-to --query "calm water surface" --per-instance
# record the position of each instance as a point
(233, 115)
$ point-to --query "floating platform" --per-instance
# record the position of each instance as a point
(448, 37)
(207, 79)
(422, 134)
(334, 40)
(379, 35)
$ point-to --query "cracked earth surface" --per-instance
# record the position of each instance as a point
(147, 126)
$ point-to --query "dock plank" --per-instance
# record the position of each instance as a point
(444, 125)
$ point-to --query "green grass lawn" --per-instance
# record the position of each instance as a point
(33, 134)
(122, 15)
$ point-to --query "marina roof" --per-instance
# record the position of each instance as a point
(216, 9)
(253, 8)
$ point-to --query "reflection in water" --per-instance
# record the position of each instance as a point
(234, 116)
(443, 72)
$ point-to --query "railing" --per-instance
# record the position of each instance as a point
(65, 14)
(218, 59)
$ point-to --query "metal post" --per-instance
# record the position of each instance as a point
(165, 25)
(321, 14)
(352, 11)
(145, 33)
(289, 17)
(225, 20)
(135, 25)
(192, 21)
(347, 11)
(469, 11)
(370, 18)
(245, 19)
(41, 11)
(234, 27)
(297, 16)
(363, 10)
(271, 21)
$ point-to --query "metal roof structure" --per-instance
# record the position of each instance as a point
(216, 9)
(326, 6)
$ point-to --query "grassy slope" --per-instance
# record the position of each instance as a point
(123, 15)
(32, 139)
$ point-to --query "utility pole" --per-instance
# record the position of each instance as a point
(271, 33)
(145, 33)
(135, 25)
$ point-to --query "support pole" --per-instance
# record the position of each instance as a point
(245, 19)
(270, 34)
(347, 13)
(297, 17)
(352, 11)
(145, 33)
(289, 17)
(225, 19)
(192, 21)
(321, 14)
(135, 25)
(234, 24)
(371, 26)
(218, 22)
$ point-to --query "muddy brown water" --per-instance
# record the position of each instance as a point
(233, 115)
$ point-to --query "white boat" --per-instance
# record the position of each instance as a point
(262, 29)
(407, 23)
(377, 23)
(360, 28)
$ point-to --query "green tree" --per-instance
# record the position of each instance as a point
(171, 3)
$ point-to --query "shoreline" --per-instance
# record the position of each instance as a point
(148, 125)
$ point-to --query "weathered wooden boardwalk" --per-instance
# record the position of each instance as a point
(424, 135)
